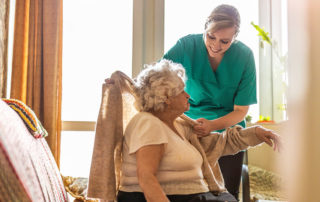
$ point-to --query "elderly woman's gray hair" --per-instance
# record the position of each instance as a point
(157, 82)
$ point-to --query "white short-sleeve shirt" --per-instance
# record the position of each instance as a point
(180, 168)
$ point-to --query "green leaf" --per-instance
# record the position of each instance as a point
(263, 34)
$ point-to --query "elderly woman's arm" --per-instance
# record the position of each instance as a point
(148, 160)
(237, 138)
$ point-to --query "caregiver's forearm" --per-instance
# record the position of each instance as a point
(228, 120)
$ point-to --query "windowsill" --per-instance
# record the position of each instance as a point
(273, 126)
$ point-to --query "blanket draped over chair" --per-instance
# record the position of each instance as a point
(116, 110)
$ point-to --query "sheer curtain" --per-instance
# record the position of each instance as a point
(37, 67)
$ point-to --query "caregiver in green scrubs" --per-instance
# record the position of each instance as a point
(221, 80)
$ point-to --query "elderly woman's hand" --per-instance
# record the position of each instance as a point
(203, 128)
(109, 81)
(269, 137)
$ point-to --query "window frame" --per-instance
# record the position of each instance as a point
(271, 89)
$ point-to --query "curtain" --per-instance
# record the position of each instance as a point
(4, 20)
(37, 66)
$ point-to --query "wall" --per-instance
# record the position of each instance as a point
(302, 156)
(264, 156)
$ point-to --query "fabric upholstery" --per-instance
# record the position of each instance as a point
(28, 171)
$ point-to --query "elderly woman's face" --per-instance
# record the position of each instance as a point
(217, 43)
(179, 103)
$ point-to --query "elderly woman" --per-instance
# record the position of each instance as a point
(162, 159)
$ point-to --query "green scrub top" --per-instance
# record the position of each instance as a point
(213, 94)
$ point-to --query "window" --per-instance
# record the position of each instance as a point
(97, 40)
(273, 60)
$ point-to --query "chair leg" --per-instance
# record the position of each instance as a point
(245, 180)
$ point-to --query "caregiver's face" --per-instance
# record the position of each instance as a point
(217, 43)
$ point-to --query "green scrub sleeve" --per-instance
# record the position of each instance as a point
(247, 92)
(175, 54)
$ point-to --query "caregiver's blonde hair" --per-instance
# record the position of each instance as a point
(223, 16)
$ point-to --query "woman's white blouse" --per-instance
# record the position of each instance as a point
(180, 168)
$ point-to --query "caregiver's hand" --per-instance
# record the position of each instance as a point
(203, 128)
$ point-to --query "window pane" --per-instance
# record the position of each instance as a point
(97, 40)
(76, 153)
(191, 20)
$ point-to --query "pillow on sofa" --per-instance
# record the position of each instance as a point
(28, 116)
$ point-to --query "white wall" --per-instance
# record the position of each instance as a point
(302, 156)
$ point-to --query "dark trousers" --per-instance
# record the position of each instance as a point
(201, 197)
(231, 167)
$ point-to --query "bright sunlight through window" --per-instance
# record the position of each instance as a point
(97, 40)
